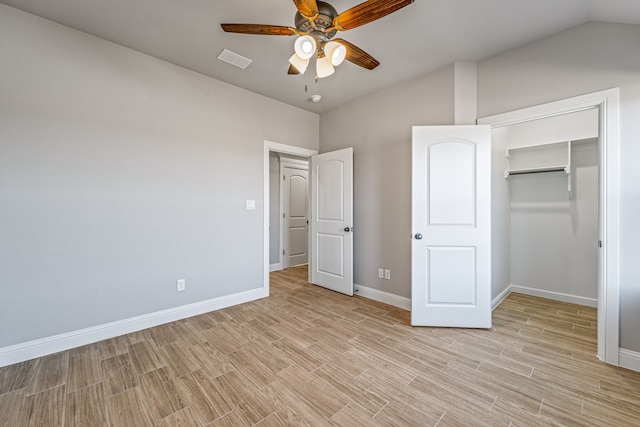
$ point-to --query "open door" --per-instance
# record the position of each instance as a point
(331, 206)
(451, 226)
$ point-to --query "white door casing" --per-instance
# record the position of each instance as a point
(295, 216)
(331, 206)
(451, 226)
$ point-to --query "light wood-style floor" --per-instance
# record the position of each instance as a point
(309, 356)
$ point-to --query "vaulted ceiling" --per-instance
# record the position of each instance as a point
(420, 38)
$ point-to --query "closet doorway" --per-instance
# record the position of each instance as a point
(551, 171)
(555, 188)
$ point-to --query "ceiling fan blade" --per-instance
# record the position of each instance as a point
(367, 12)
(259, 29)
(307, 8)
(358, 56)
(293, 70)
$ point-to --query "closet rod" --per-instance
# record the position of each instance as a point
(507, 173)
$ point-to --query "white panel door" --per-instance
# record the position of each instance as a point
(451, 226)
(332, 221)
(296, 201)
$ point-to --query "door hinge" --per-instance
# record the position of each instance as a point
(283, 215)
(284, 177)
(283, 252)
(599, 243)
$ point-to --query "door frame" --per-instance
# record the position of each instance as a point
(608, 103)
(270, 146)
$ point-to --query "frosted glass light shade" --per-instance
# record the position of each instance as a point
(335, 52)
(324, 68)
(305, 47)
(299, 63)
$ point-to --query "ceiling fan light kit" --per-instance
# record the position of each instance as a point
(305, 47)
(299, 63)
(324, 68)
(336, 52)
(316, 23)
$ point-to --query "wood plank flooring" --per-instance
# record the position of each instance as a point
(309, 356)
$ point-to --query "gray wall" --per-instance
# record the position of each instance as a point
(587, 58)
(378, 127)
(274, 209)
(584, 59)
(500, 216)
(119, 174)
(554, 238)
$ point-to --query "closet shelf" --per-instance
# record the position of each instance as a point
(547, 157)
(536, 146)
(560, 168)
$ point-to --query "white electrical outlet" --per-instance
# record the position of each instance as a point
(387, 274)
(381, 273)
(181, 285)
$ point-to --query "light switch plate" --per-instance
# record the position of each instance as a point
(251, 205)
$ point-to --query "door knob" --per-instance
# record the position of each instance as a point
(418, 236)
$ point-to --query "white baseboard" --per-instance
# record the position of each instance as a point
(41, 347)
(498, 300)
(381, 296)
(557, 296)
(629, 359)
(405, 303)
(275, 267)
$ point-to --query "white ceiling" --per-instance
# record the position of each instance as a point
(420, 38)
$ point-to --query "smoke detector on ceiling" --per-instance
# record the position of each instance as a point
(316, 98)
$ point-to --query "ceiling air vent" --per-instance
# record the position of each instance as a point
(234, 59)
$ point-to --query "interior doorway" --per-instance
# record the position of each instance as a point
(330, 216)
(273, 217)
(288, 211)
(606, 106)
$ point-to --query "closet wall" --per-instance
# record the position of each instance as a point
(547, 223)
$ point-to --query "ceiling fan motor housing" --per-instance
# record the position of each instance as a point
(326, 15)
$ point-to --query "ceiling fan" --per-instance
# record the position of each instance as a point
(316, 23)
